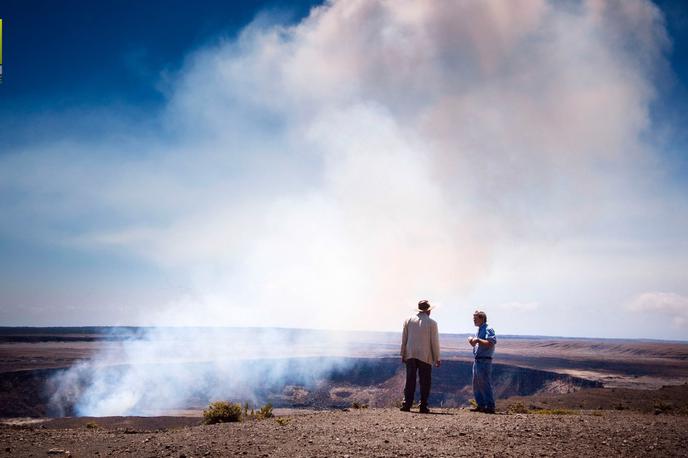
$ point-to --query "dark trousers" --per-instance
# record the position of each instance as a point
(424, 371)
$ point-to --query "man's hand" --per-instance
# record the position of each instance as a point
(438, 363)
(403, 360)
(472, 341)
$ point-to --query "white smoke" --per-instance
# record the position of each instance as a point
(381, 151)
(162, 369)
(519, 306)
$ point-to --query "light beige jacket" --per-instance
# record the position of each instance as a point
(420, 339)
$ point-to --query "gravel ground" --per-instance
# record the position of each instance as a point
(365, 432)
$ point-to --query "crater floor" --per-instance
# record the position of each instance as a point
(364, 432)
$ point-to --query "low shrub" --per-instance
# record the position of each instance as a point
(517, 407)
(662, 407)
(265, 411)
(222, 412)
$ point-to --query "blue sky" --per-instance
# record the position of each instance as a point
(228, 162)
(85, 55)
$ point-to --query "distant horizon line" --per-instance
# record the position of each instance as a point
(3, 329)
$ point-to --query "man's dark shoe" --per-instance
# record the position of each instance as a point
(424, 410)
(405, 409)
(488, 410)
(476, 409)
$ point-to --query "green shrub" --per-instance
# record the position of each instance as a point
(265, 411)
(222, 412)
(282, 421)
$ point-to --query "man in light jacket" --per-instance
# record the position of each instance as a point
(420, 348)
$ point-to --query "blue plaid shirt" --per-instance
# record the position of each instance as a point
(488, 334)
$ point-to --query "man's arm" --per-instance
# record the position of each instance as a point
(404, 339)
(436, 346)
(489, 341)
(482, 342)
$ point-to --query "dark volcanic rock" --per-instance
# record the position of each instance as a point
(368, 381)
(25, 393)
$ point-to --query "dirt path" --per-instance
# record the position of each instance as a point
(375, 432)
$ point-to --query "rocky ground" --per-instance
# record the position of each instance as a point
(362, 432)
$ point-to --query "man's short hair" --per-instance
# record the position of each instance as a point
(481, 314)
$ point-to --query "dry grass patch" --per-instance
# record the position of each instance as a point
(554, 412)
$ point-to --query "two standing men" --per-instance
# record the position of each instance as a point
(420, 349)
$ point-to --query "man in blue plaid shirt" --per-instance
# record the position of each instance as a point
(483, 344)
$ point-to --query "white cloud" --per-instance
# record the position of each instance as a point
(670, 306)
